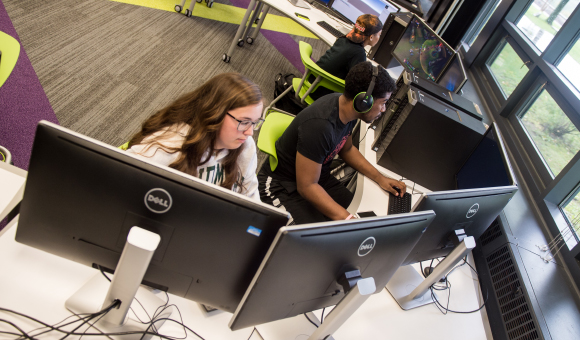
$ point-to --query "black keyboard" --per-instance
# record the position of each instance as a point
(330, 29)
(398, 204)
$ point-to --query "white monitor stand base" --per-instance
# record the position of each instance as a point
(89, 299)
(97, 294)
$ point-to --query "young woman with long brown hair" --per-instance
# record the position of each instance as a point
(207, 133)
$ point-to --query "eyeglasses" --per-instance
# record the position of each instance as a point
(244, 125)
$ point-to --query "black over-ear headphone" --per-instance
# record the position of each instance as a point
(363, 101)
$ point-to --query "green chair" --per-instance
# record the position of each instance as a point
(10, 50)
(303, 87)
(274, 126)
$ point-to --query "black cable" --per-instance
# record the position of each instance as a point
(312, 322)
(439, 305)
(100, 314)
(104, 311)
(365, 134)
(22, 332)
(253, 330)
(87, 315)
(322, 316)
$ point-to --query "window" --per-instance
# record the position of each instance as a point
(570, 65)
(508, 69)
(543, 19)
(556, 139)
(528, 71)
(480, 21)
(571, 210)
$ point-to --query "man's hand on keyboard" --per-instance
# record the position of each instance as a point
(397, 188)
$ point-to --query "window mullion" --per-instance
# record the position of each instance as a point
(565, 38)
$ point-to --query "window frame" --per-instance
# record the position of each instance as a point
(547, 192)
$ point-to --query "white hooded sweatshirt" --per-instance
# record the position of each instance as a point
(212, 171)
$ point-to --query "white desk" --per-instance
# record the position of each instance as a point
(285, 7)
(12, 187)
(37, 284)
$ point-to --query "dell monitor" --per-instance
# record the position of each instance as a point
(352, 9)
(454, 76)
(485, 185)
(303, 267)
(83, 196)
(422, 51)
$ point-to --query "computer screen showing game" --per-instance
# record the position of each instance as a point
(422, 51)
(454, 76)
(82, 197)
(352, 9)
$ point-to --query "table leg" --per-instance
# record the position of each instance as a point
(252, 20)
(190, 9)
(179, 7)
(227, 56)
(251, 39)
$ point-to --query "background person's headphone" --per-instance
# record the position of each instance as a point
(363, 101)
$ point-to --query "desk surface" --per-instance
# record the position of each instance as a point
(12, 187)
(314, 14)
(37, 284)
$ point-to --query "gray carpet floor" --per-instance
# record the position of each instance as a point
(106, 66)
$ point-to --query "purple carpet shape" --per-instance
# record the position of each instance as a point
(281, 41)
(22, 103)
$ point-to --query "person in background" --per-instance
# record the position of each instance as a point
(349, 50)
(301, 183)
(207, 133)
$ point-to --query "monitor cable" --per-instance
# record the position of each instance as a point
(445, 309)
(157, 313)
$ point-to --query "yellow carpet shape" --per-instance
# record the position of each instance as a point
(225, 13)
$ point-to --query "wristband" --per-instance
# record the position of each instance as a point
(349, 217)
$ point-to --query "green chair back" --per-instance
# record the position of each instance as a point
(327, 80)
(274, 126)
(10, 49)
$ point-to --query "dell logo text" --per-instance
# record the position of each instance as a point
(158, 200)
(367, 246)
(472, 211)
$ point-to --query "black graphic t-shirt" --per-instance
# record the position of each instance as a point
(317, 133)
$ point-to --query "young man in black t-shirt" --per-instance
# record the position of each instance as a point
(302, 183)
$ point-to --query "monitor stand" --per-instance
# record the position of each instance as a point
(98, 293)
(356, 296)
(300, 3)
(410, 289)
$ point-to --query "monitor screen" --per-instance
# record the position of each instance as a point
(487, 165)
(352, 9)
(82, 197)
(481, 196)
(422, 51)
(454, 76)
(301, 269)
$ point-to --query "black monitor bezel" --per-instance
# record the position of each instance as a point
(415, 16)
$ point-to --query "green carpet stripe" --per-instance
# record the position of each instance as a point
(226, 13)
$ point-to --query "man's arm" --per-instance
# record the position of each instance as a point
(354, 158)
(307, 176)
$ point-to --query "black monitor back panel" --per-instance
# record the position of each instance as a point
(443, 94)
(393, 28)
(427, 140)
